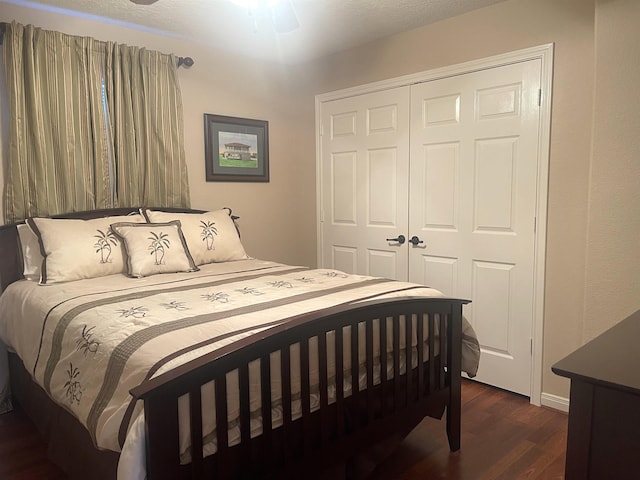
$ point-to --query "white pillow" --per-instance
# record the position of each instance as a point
(31, 256)
(153, 248)
(75, 249)
(211, 236)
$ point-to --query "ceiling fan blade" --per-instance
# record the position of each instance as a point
(143, 2)
(284, 17)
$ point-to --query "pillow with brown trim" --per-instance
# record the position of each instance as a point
(153, 248)
(31, 256)
(74, 249)
(211, 236)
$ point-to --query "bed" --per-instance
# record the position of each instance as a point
(231, 368)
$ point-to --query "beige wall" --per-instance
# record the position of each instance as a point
(613, 239)
(277, 218)
(593, 231)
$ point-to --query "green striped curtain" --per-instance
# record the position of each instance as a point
(57, 148)
(145, 107)
(66, 151)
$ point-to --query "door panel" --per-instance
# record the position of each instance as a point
(439, 187)
(440, 273)
(474, 154)
(365, 162)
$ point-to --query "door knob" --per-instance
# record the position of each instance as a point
(415, 241)
(400, 239)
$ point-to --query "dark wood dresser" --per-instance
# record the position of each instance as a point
(604, 413)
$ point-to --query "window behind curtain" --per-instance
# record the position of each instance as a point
(110, 160)
(92, 125)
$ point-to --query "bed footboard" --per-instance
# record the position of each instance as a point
(366, 385)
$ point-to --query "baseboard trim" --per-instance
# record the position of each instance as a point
(555, 402)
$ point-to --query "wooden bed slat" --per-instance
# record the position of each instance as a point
(305, 396)
(355, 370)
(408, 321)
(383, 363)
(339, 353)
(265, 405)
(432, 352)
(454, 364)
(245, 414)
(396, 362)
(195, 425)
(420, 352)
(369, 361)
(323, 358)
(443, 344)
(222, 425)
(285, 376)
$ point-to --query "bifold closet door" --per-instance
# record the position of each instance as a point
(436, 183)
(365, 181)
(473, 183)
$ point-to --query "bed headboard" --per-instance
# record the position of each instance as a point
(10, 255)
(10, 261)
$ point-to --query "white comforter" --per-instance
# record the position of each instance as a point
(87, 343)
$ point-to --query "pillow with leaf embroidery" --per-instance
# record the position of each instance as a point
(211, 236)
(153, 248)
(73, 249)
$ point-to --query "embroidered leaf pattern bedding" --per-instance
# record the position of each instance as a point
(103, 244)
(135, 312)
(73, 387)
(176, 305)
(208, 234)
(159, 243)
(216, 297)
(85, 342)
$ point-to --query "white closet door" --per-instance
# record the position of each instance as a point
(365, 162)
(474, 157)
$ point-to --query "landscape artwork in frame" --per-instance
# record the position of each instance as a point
(236, 149)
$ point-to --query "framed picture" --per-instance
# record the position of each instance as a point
(236, 149)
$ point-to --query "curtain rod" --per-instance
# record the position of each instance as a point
(182, 61)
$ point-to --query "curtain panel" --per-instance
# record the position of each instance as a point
(55, 146)
(145, 108)
(93, 125)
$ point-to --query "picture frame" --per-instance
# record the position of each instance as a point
(236, 149)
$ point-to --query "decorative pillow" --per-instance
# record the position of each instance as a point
(75, 249)
(154, 248)
(31, 256)
(211, 236)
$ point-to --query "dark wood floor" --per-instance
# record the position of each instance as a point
(503, 437)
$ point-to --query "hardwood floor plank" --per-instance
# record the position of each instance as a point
(555, 471)
(504, 437)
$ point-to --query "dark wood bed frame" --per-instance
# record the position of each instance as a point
(331, 436)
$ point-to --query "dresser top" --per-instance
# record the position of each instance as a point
(611, 359)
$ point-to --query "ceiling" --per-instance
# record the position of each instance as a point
(326, 26)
